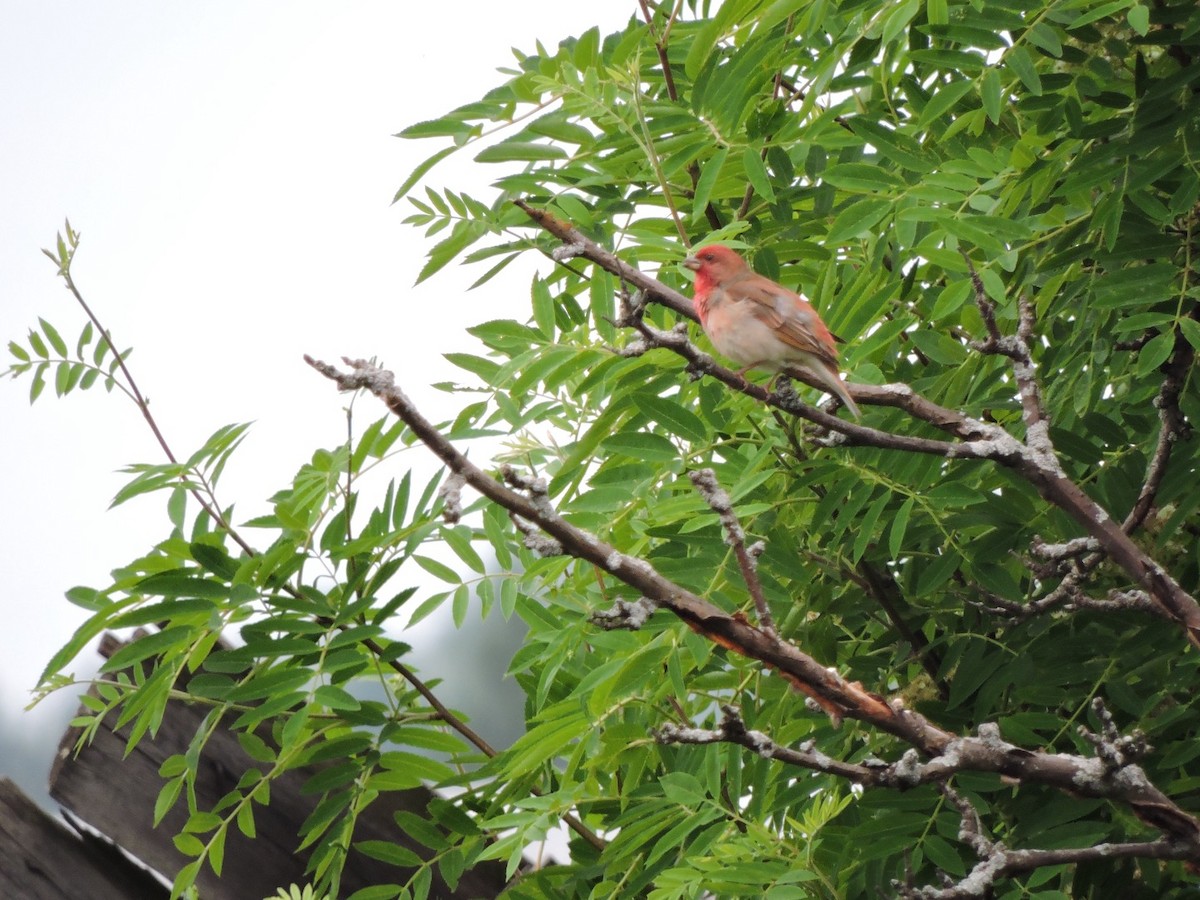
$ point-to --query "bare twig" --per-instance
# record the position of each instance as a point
(1005, 863)
(732, 730)
(1016, 348)
(970, 832)
(1114, 750)
(880, 585)
(718, 499)
(1171, 428)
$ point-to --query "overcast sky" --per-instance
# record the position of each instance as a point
(230, 167)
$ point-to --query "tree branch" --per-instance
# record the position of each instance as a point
(1034, 459)
(717, 497)
(944, 752)
(1171, 427)
(997, 861)
(1041, 468)
(732, 730)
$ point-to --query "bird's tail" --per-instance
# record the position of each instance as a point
(832, 381)
(839, 388)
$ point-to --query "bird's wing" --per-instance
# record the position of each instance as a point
(790, 316)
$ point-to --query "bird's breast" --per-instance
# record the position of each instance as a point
(737, 334)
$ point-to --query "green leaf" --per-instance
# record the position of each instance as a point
(682, 788)
(335, 698)
(87, 598)
(216, 850)
(707, 180)
(669, 413)
(438, 569)
(944, 100)
(38, 345)
(59, 345)
(1191, 331)
(389, 852)
(403, 771)
(1156, 352)
(862, 177)
(485, 368)
(426, 607)
(543, 308)
(460, 605)
(419, 172)
(756, 174)
(938, 347)
(173, 610)
(166, 799)
(1139, 19)
(990, 91)
(1019, 60)
(39, 382)
(508, 151)
(899, 19)
(858, 218)
(462, 236)
(642, 445)
(1044, 37)
(245, 820)
(898, 527)
(280, 681)
(174, 638)
(183, 583)
(213, 559)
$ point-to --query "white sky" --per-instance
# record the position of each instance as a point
(230, 167)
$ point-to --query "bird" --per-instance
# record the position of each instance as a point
(760, 324)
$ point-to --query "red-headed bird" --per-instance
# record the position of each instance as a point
(760, 324)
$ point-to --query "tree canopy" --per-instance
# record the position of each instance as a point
(948, 651)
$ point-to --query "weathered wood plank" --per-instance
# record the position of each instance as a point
(42, 859)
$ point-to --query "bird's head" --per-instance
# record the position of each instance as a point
(714, 264)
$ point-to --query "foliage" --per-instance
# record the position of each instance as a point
(871, 154)
(295, 893)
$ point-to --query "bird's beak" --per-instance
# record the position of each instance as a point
(692, 262)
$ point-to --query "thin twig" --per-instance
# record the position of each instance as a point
(718, 499)
(1171, 427)
(660, 46)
